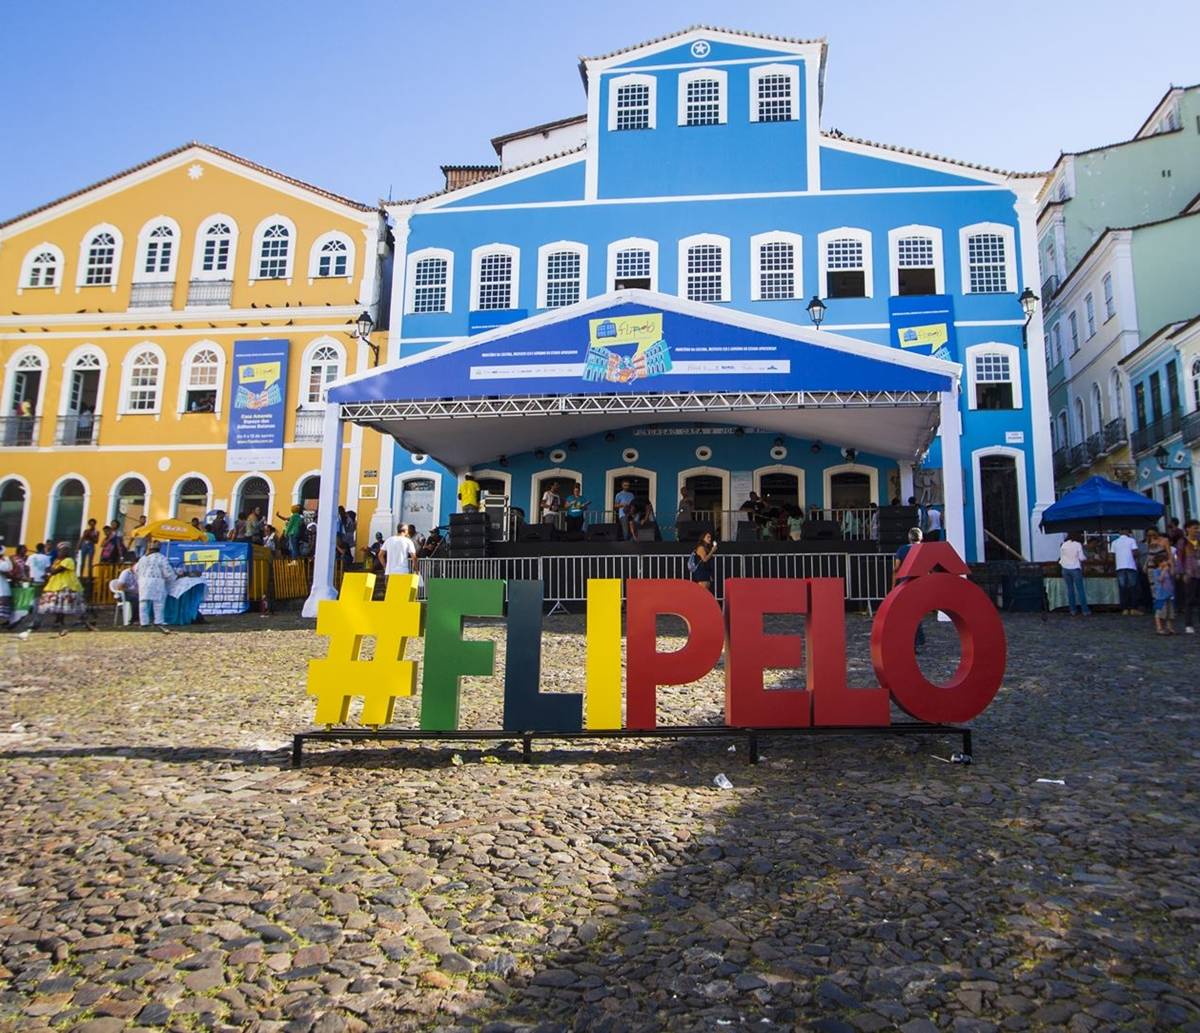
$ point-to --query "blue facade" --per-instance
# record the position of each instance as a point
(730, 181)
(1159, 387)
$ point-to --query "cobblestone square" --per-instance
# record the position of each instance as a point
(161, 865)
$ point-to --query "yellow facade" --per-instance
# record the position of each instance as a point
(106, 384)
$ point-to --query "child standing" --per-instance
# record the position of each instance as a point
(1163, 586)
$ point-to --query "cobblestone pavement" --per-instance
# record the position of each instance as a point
(160, 864)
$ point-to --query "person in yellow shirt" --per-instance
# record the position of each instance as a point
(468, 493)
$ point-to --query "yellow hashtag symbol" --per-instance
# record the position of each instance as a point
(343, 674)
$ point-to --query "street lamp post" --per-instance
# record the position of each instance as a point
(363, 326)
(1029, 304)
(816, 311)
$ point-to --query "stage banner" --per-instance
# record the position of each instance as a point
(924, 324)
(257, 413)
(224, 567)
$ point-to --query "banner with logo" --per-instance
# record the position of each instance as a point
(257, 412)
(224, 567)
(924, 323)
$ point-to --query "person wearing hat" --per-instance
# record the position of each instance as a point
(153, 574)
(63, 594)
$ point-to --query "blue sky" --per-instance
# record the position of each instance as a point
(367, 97)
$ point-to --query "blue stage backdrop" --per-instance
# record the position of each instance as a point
(256, 415)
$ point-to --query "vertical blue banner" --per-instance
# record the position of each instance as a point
(256, 414)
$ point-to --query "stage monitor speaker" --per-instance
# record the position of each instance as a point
(461, 553)
(468, 519)
(648, 532)
(603, 533)
(470, 540)
(691, 531)
(747, 531)
(534, 533)
(821, 531)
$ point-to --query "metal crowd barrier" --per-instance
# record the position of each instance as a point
(867, 576)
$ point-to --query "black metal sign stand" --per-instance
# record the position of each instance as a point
(672, 732)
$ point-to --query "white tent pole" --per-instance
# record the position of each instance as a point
(327, 503)
(953, 517)
(906, 481)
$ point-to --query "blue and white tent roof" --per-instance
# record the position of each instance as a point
(635, 356)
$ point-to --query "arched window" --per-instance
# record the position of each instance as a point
(42, 267)
(156, 251)
(845, 256)
(273, 245)
(988, 259)
(775, 266)
(308, 492)
(128, 503)
(1117, 394)
(702, 97)
(562, 274)
(332, 256)
(13, 496)
(203, 374)
(1097, 409)
(1196, 385)
(633, 263)
(1064, 431)
(774, 93)
(1080, 422)
(253, 493)
(215, 242)
(430, 280)
(994, 376)
(99, 257)
(915, 260)
(191, 498)
(82, 394)
(631, 102)
(323, 364)
(143, 380)
(494, 277)
(704, 268)
(26, 376)
(67, 501)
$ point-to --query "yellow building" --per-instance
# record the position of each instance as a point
(123, 309)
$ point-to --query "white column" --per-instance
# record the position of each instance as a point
(327, 503)
(906, 481)
(1043, 547)
(953, 515)
(384, 518)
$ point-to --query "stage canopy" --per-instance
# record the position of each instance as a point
(634, 357)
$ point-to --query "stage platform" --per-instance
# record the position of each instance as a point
(514, 550)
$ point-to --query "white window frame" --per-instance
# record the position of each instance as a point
(256, 248)
(1116, 394)
(685, 244)
(1089, 314)
(179, 484)
(118, 247)
(69, 365)
(60, 268)
(314, 256)
(1010, 255)
(915, 230)
(632, 80)
(776, 237)
(185, 373)
(1097, 404)
(1013, 354)
(977, 495)
(693, 75)
(1056, 335)
(761, 72)
(630, 244)
(477, 256)
(143, 244)
(828, 473)
(14, 366)
(410, 287)
(1073, 323)
(53, 497)
(25, 507)
(1080, 411)
(198, 272)
(310, 351)
(1110, 300)
(127, 363)
(544, 253)
(851, 233)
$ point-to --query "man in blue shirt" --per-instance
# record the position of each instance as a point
(624, 506)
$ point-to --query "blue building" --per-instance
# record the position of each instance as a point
(701, 190)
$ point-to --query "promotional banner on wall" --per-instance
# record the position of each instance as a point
(257, 413)
(224, 567)
(924, 323)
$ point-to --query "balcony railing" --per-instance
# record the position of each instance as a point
(1191, 428)
(1116, 434)
(310, 426)
(1146, 438)
(19, 431)
(1049, 286)
(78, 429)
(152, 295)
(1095, 446)
(1062, 461)
(1081, 456)
(209, 292)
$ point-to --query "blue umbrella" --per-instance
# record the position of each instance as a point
(1100, 505)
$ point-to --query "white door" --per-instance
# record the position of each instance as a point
(418, 503)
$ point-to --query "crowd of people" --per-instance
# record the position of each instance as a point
(1163, 570)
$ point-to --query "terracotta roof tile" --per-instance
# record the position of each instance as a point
(837, 135)
(498, 174)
